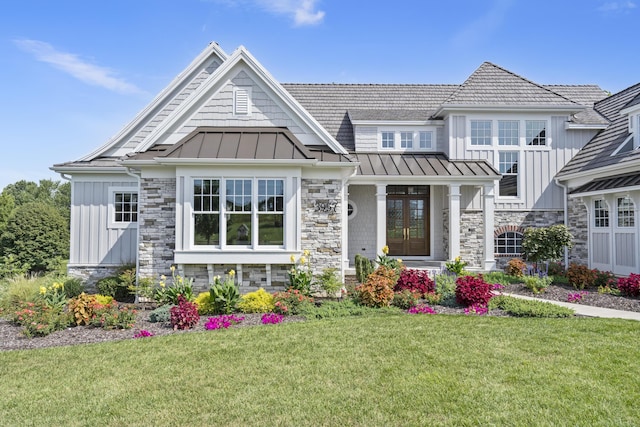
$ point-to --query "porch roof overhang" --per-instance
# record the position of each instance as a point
(613, 184)
(422, 166)
(235, 146)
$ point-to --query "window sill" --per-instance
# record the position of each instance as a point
(234, 256)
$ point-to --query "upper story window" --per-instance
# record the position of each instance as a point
(508, 167)
(388, 139)
(508, 132)
(626, 214)
(406, 140)
(536, 132)
(481, 132)
(426, 140)
(600, 213)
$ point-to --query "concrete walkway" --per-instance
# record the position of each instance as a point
(587, 310)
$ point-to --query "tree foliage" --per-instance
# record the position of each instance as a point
(36, 235)
(546, 243)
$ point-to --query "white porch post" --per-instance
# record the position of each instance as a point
(381, 217)
(345, 227)
(454, 220)
(489, 224)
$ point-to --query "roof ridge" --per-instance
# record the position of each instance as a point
(371, 84)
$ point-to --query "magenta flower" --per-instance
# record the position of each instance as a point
(272, 318)
(421, 309)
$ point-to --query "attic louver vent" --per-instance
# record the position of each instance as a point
(242, 101)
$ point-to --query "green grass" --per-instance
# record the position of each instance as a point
(364, 371)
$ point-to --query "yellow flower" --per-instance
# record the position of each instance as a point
(57, 285)
(217, 278)
(292, 258)
(302, 260)
(43, 290)
(306, 253)
(232, 273)
(458, 258)
(173, 268)
(399, 261)
(163, 277)
(385, 249)
(162, 284)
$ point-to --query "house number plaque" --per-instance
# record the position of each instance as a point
(326, 206)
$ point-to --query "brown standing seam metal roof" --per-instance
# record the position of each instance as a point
(416, 164)
(612, 183)
(249, 143)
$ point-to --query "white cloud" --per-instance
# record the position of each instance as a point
(303, 12)
(76, 66)
(615, 6)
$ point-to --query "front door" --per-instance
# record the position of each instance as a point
(408, 220)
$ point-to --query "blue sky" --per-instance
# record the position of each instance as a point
(75, 72)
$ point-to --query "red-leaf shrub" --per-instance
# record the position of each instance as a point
(515, 267)
(415, 281)
(630, 286)
(184, 315)
(473, 290)
(377, 291)
(580, 276)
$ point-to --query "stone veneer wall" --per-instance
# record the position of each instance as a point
(91, 275)
(321, 225)
(472, 232)
(157, 225)
(579, 228)
(253, 276)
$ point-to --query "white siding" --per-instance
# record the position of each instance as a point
(625, 249)
(92, 241)
(366, 139)
(438, 203)
(601, 250)
(362, 228)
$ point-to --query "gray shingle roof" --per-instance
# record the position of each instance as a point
(493, 85)
(415, 164)
(330, 104)
(597, 152)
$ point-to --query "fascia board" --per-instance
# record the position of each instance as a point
(602, 172)
(397, 122)
(89, 169)
(413, 180)
(578, 126)
(630, 110)
(234, 162)
(194, 65)
(510, 108)
(607, 191)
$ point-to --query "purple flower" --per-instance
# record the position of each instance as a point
(220, 322)
(421, 309)
(476, 309)
(272, 318)
(143, 334)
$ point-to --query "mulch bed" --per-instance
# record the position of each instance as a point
(12, 338)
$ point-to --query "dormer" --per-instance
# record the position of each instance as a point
(632, 112)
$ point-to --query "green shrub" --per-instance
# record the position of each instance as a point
(405, 299)
(500, 278)
(161, 314)
(536, 283)
(364, 267)
(259, 301)
(344, 308)
(546, 243)
(290, 302)
(528, 308)
(329, 282)
(111, 316)
(73, 287)
(39, 320)
(301, 274)
(224, 296)
(446, 288)
(21, 288)
(169, 293)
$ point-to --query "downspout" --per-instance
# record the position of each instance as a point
(137, 177)
(566, 217)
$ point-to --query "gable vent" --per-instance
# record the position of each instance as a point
(242, 101)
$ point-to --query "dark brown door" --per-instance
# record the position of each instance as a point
(408, 220)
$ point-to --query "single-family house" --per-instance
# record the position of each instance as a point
(227, 168)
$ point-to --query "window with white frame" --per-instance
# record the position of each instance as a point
(248, 204)
(508, 243)
(600, 214)
(406, 140)
(508, 167)
(388, 139)
(508, 132)
(123, 207)
(426, 138)
(536, 132)
(481, 132)
(626, 215)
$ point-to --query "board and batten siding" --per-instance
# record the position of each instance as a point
(538, 166)
(93, 242)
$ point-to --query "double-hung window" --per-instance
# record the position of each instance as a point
(600, 214)
(508, 132)
(249, 212)
(481, 132)
(536, 132)
(425, 140)
(388, 139)
(406, 140)
(508, 166)
(626, 212)
(123, 207)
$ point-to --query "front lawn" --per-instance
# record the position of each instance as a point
(380, 370)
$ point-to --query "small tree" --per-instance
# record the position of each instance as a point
(36, 235)
(546, 243)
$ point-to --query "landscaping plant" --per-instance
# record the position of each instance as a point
(473, 291)
(222, 322)
(537, 283)
(301, 274)
(169, 293)
(259, 301)
(456, 266)
(290, 302)
(377, 291)
(545, 244)
(630, 286)
(224, 295)
(271, 318)
(405, 299)
(329, 282)
(415, 281)
(364, 267)
(515, 267)
(184, 315)
(580, 276)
